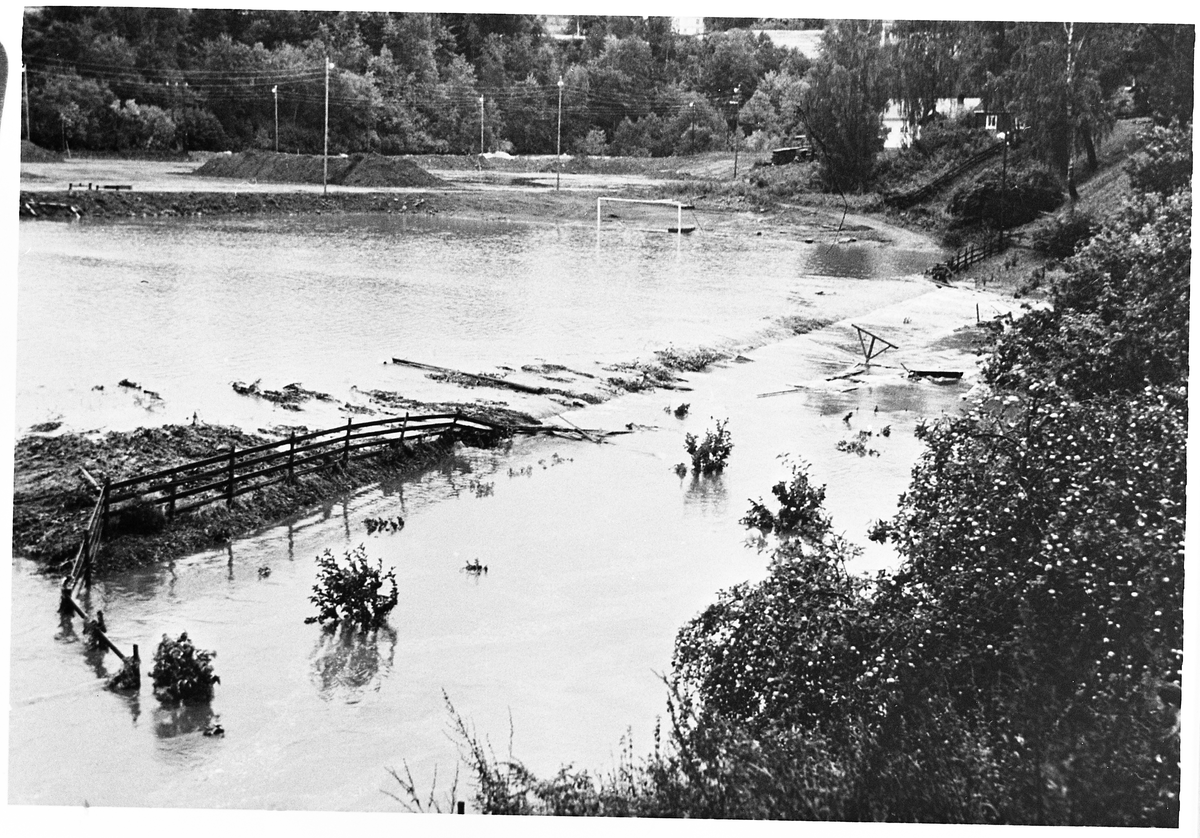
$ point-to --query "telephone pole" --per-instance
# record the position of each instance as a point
(481, 125)
(275, 90)
(325, 172)
(28, 130)
(558, 162)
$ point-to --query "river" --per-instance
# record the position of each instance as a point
(596, 554)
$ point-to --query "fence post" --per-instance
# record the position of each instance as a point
(229, 484)
(104, 505)
(454, 424)
(87, 560)
(403, 427)
(171, 501)
(346, 445)
(291, 456)
(64, 599)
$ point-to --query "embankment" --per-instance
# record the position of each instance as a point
(370, 170)
(133, 204)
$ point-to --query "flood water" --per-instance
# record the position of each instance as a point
(596, 554)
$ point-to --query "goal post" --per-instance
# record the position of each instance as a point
(679, 207)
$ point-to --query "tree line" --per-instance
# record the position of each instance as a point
(138, 79)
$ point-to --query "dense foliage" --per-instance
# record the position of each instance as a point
(1005, 199)
(1023, 663)
(181, 671)
(352, 591)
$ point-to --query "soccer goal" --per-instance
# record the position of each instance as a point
(652, 216)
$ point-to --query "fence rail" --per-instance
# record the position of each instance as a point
(235, 472)
(903, 200)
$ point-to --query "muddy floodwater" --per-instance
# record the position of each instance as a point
(596, 554)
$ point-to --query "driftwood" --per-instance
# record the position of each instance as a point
(575, 433)
(486, 379)
(88, 477)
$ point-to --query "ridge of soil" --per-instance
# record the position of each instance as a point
(372, 170)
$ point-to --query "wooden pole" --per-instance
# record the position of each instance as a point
(171, 502)
(403, 427)
(346, 446)
(104, 505)
(291, 474)
(229, 484)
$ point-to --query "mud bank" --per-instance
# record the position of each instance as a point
(370, 170)
(132, 204)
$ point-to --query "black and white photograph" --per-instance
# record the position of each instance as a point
(613, 413)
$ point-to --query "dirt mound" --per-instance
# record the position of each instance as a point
(31, 153)
(356, 170)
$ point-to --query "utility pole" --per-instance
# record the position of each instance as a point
(28, 130)
(481, 125)
(1003, 135)
(275, 90)
(734, 101)
(692, 109)
(558, 148)
(325, 172)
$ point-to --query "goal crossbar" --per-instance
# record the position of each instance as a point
(679, 208)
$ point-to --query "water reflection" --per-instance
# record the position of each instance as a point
(172, 721)
(346, 662)
(707, 493)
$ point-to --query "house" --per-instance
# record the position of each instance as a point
(899, 132)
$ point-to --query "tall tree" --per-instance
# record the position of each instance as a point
(846, 97)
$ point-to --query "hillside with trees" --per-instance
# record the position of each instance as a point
(138, 80)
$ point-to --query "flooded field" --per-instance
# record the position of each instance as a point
(596, 554)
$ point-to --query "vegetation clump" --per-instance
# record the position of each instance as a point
(695, 360)
(181, 671)
(710, 454)
(1063, 236)
(352, 591)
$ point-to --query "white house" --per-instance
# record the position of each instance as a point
(898, 134)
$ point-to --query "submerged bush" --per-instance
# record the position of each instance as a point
(711, 453)
(352, 592)
(181, 671)
(801, 509)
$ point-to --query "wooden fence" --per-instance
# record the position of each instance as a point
(903, 200)
(236, 472)
(227, 475)
(968, 256)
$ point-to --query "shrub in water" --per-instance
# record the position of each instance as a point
(801, 509)
(181, 671)
(711, 453)
(352, 591)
